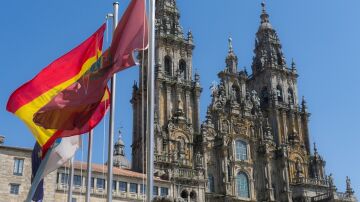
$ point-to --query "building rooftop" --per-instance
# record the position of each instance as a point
(102, 168)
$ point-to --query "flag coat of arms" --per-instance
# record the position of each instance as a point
(27, 100)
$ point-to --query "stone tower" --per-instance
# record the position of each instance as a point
(120, 159)
(255, 137)
(177, 95)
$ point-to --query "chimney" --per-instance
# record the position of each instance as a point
(2, 140)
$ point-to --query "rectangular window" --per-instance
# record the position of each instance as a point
(114, 185)
(64, 178)
(241, 150)
(142, 189)
(100, 183)
(92, 182)
(73, 200)
(164, 191)
(123, 186)
(14, 189)
(156, 191)
(18, 166)
(133, 188)
(77, 180)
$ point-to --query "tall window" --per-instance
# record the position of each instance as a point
(168, 65)
(64, 178)
(182, 68)
(142, 189)
(241, 150)
(279, 93)
(242, 185)
(18, 166)
(264, 95)
(164, 191)
(156, 191)
(133, 188)
(123, 186)
(14, 189)
(291, 96)
(77, 180)
(114, 185)
(92, 182)
(100, 183)
(211, 183)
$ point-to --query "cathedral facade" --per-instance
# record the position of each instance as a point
(254, 144)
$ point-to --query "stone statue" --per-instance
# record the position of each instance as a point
(255, 99)
(299, 169)
(331, 180)
(225, 126)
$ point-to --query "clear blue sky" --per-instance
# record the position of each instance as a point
(322, 36)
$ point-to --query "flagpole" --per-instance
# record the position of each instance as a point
(112, 118)
(71, 181)
(150, 106)
(88, 166)
(38, 177)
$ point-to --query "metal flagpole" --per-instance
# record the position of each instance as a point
(150, 106)
(88, 166)
(71, 181)
(112, 118)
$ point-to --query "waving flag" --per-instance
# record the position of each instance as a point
(61, 74)
(62, 151)
(73, 106)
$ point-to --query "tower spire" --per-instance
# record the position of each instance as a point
(231, 59)
(268, 53)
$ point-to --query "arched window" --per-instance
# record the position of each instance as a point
(291, 96)
(193, 196)
(279, 93)
(211, 185)
(182, 68)
(264, 95)
(168, 65)
(241, 150)
(242, 185)
(184, 194)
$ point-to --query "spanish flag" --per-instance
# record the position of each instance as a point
(61, 74)
(73, 107)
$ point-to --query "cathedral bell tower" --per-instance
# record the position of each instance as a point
(277, 86)
(177, 97)
(276, 83)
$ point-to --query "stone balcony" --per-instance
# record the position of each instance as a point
(309, 181)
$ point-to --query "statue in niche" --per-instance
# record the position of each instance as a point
(248, 103)
(225, 126)
(234, 94)
(255, 99)
(299, 169)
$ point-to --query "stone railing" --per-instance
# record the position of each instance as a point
(343, 196)
(185, 173)
(310, 181)
(164, 158)
(322, 197)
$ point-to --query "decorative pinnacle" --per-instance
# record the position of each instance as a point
(315, 148)
(231, 50)
(293, 65)
(264, 16)
(263, 5)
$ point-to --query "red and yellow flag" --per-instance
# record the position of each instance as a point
(55, 78)
(73, 106)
